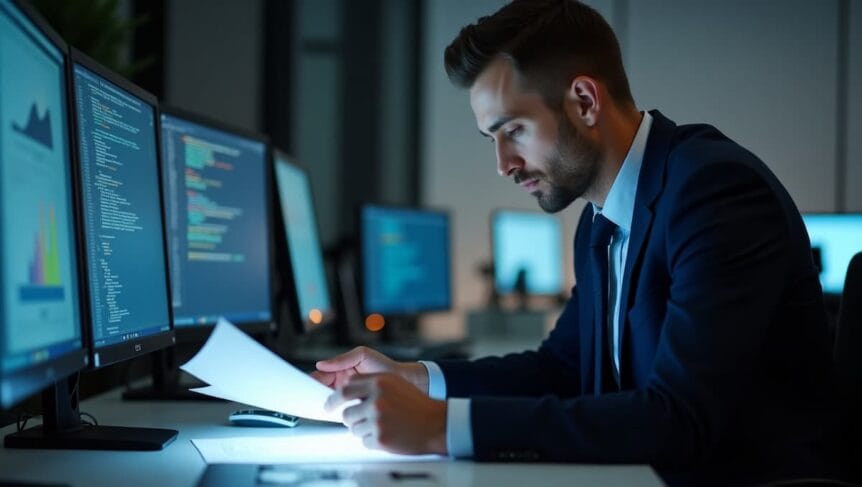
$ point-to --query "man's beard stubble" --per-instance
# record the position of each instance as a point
(572, 171)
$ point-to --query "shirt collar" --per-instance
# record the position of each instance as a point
(620, 203)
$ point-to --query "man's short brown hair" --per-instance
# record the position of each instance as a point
(549, 43)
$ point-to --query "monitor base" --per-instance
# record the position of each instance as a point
(88, 437)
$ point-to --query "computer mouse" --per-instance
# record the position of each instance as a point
(262, 418)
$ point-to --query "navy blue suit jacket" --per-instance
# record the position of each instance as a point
(726, 371)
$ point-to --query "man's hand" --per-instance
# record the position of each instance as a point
(393, 414)
(336, 371)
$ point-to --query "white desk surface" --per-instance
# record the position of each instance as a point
(180, 464)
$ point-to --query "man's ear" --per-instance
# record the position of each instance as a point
(582, 100)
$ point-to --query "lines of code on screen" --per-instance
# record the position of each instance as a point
(405, 263)
(122, 213)
(217, 224)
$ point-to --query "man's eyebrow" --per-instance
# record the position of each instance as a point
(496, 126)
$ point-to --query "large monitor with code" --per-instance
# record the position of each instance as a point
(835, 239)
(124, 244)
(405, 260)
(40, 319)
(309, 290)
(217, 193)
(527, 252)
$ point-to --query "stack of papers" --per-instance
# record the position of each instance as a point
(239, 369)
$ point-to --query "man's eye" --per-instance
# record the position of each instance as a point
(515, 132)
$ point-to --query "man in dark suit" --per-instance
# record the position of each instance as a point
(695, 337)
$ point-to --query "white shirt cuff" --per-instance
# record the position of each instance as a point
(459, 428)
(436, 380)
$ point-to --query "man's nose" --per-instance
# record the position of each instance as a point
(508, 162)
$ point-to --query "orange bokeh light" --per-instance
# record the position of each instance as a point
(375, 322)
(315, 316)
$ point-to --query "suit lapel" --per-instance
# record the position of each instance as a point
(650, 184)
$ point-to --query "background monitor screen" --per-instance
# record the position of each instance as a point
(303, 242)
(123, 232)
(837, 237)
(405, 260)
(216, 202)
(39, 308)
(531, 242)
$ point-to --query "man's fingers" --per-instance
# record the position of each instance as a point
(362, 429)
(355, 389)
(353, 414)
(346, 360)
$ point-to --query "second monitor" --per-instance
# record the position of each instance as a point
(217, 216)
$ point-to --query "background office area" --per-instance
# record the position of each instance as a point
(321, 184)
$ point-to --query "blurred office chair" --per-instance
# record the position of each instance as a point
(848, 359)
(848, 334)
(847, 355)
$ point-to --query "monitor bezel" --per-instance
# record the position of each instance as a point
(33, 378)
(118, 352)
(362, 267)
(493, 215)
(200, 331)
(290, 288)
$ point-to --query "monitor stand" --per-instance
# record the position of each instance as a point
(166, 384)
(62, 427)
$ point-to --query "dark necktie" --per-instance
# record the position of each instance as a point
(600, 239)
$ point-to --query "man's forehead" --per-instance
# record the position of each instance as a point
(498, 78)
(498, 94)
(492, 93)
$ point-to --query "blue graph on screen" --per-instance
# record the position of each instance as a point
(39, 314)
(36, 128)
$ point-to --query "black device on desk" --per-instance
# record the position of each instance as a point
(122, 254)
(405, 270)
(216, 198)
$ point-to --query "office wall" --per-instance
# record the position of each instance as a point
(214, 53)
(765, 72)
(853, 188)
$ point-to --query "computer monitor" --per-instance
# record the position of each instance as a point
(216, 193)
(307, 289)
(527, 252)
(219, 239)
(404, 260)
(40, 315)
(836, 238)
(123, 223)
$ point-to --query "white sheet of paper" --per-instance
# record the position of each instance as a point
(317, 448)
(242, 370)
